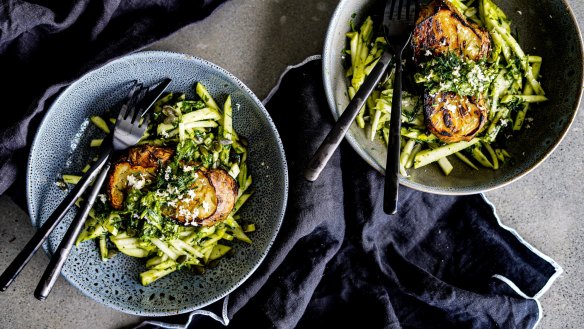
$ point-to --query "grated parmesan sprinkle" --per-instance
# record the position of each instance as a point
(137, 181)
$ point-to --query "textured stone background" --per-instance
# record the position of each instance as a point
(256, 40)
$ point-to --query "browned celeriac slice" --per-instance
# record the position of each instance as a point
(441, 30)
(210, 200)
(138, 168)
(453, 118)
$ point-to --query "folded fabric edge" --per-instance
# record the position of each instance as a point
(557, 267)
(223, 319)
(290, 67)
(559, 270)
(518, 291)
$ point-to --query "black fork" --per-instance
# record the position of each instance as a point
(131, 123)
(326, 149)
(398, 24)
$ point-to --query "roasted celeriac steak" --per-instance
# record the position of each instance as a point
(442, 31)
(137, 169)
(452, 117)
(210, 199)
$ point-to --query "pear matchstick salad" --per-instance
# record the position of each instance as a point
(174, 198)
(471, 85)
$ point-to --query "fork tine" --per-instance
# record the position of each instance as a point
(406, 11)
(400, 14)
(145, 120)
(129, 102)
(137, 111)
(413, 10)
(129, 115)
(390, 10)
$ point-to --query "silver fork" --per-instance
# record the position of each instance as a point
(130, 126)
(398, 24)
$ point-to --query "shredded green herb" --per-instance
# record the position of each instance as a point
(450, 73)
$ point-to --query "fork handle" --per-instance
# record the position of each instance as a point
(60, 256)
(391, 187)
(50, 224)
(335, 136)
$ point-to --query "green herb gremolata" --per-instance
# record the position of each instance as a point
(450, 73)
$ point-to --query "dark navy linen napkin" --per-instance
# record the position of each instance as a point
(45, 45)
(340, 262)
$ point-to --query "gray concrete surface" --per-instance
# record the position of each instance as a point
(256, 40)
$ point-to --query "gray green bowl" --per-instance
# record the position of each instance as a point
(545, 28)
(61, 146)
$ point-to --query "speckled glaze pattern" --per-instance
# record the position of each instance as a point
(545, 28)
(61, 146)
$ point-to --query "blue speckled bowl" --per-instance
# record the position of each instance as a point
(545, 28)
(61, 146)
